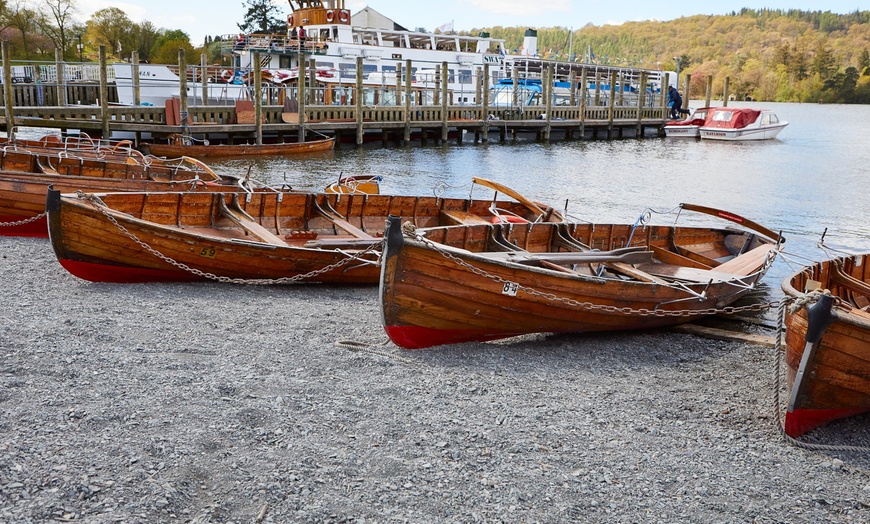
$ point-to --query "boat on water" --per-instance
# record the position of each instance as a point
(264, 235)
(828, 343)
(178, 146)
(476, 283)
(25, 176)
(688, 128)
(738, 124)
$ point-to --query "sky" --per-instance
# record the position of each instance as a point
(220, 17)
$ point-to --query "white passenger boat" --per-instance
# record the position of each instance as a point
(730, 123)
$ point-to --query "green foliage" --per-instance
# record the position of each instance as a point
(262, 16)
(768, 54)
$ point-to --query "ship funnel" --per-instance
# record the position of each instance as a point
(483, 44)
(530, 43)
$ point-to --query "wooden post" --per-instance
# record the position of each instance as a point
(611, 103)
(301, 98)
(621, 89)
(203, 62)
(548, 106)
(182, 91)
(436, 95)
(7, 91)
(725, 92)
(664, 101)
(104, 95)
(688, 85)
(61, 77)
(409, 73)
(258, 99)
(312, 84)
(709, 90)
(398, 82)
(515, 76)
(444, 100)
(137, 93)
(584, 93)
(641, 100)
(359, 100)
(572, 80)
(597, 101)
(485, 106)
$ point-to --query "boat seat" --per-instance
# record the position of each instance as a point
(747, 263)
(342, 243)
(686, 274)
(243, 220)
(462, 218)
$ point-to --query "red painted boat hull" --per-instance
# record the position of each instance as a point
(37, 228)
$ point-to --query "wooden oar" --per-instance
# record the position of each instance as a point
(509, 192)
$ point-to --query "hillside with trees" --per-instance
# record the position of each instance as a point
(772, 55)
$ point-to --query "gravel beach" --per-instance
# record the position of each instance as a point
(217, 403)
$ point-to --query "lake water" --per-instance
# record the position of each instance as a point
(816, 175)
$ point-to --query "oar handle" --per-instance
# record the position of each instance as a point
(509, 192)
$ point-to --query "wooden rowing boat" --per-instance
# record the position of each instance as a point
(177, 148)
(828, 343)
(26, 176)
(458, 284)
(247, 236)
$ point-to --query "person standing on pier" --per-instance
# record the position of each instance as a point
(675, 101)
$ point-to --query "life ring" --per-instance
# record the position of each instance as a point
(330, 16)
(289, 20)
(343, 16)
(508, 219)
(226, 75)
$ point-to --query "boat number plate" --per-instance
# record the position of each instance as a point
(208, 252)
(510, 289)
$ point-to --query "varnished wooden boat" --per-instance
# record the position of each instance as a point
(828, 344)
(481, 283)
(177, 148)
(26, 176)
(357, 184)
(247, 236)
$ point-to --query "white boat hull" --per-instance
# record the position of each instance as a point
(682, 131)
(747, 133)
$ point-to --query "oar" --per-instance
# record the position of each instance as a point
(509, 192)
(819, 317)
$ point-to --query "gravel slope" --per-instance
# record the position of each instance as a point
(222, 403)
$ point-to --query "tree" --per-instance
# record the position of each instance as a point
(166, 52)
(262, 17)
(146, 36)
(864, 62)
(111, 27)
(26, 22)
(56, 22)
(824, 62)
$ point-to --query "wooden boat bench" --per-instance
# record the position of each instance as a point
(456, 217)
(342, 243)
(250, 226)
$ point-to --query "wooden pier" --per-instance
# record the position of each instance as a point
(585, 118)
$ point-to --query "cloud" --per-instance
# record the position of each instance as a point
(517, 7)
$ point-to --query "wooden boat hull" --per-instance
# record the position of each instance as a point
(226, 150)
(240, 236)
(436, 295)
(829, 379)
(25, 177)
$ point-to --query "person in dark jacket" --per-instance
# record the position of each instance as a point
(675, 102)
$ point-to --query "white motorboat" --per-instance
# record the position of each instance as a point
(734, 124)
(688, 128)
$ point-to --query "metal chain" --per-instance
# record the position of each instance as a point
(374, 248)
(25, 221)
(789, 303)
(589, 306)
